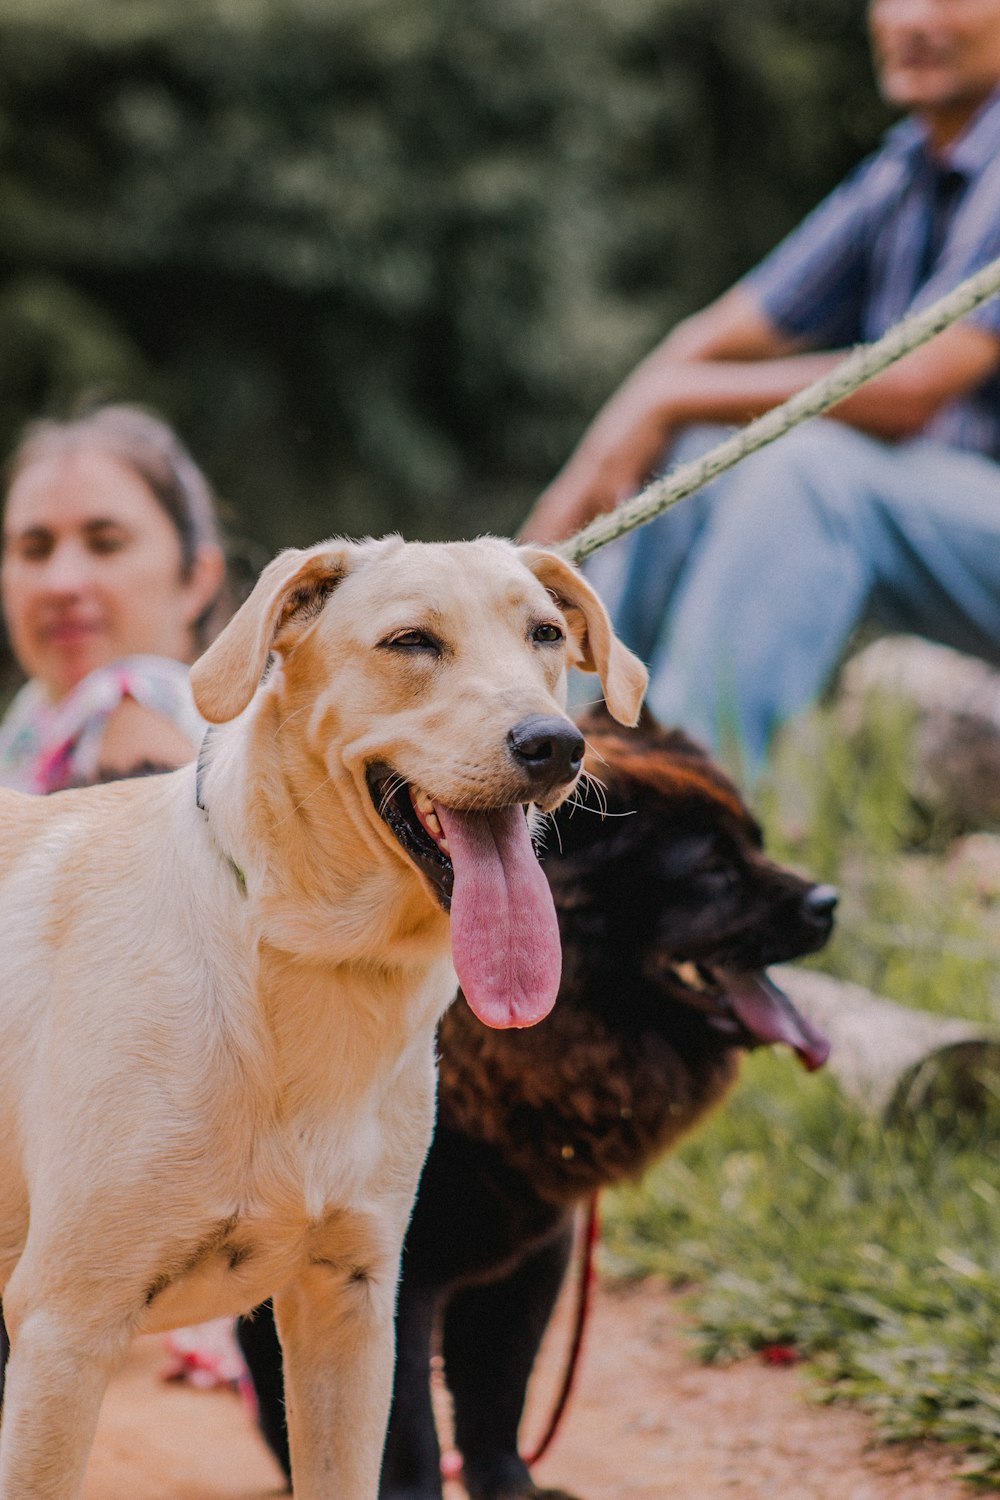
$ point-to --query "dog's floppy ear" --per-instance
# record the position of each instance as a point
(623, 676)
(291, 589)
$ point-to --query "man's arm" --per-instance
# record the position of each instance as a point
(727, 364)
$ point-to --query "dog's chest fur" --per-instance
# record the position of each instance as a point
(313, 1218)
(257, 1113)
(317, 1187)
(576, 1105)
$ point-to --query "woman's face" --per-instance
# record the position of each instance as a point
(91, 569)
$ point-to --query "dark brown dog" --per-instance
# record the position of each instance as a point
(669, 914)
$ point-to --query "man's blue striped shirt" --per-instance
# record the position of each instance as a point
(899, 232)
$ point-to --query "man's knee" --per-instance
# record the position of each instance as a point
(817, 474)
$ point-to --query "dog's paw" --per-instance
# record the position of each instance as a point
(527, 1491)
(505, 1477)
(411, 1492)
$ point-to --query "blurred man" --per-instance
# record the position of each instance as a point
(742, 599)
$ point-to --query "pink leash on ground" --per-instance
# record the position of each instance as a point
(451, 1461)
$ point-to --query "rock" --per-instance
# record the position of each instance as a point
(956, 704)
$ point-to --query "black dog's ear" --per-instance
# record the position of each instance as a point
(596, 719)
(679, 742)
(598, 715)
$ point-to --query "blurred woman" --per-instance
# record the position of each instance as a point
(111, 579)
(111, 570)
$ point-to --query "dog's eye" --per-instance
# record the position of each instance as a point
(411, 640)
(546, 634)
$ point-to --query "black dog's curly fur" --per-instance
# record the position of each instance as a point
(667, 907)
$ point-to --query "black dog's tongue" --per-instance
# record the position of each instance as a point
(768, 1014)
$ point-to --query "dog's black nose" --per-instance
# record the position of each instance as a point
(821, 901)
(548, 749)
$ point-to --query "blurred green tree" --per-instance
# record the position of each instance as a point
(380, 260)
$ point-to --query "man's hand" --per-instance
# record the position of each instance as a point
(627, 441)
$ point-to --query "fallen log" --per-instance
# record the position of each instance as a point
(896, 1062)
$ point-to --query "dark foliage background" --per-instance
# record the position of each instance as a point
(381, 259)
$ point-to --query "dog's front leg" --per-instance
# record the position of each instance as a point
(56, 1377)
(4, 1353)
(336, 1330)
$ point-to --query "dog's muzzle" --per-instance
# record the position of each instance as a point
(747, 1007)
(394, 804)
(485, 871)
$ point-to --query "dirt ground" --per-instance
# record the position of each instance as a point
(646, 1423)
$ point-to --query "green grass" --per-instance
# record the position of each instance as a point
(796, 1220)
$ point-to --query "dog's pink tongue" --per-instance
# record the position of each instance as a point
(769, 1015)
(504, 933)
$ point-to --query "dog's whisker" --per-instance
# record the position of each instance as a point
(288, 719)
(600, 791)
(589, 782)
(549, 824)
(599, 812)
(393, 785)
(592, 748)
(590, 778)
(594, 784)
(325, 782)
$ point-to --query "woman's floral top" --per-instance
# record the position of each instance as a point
(46, 747)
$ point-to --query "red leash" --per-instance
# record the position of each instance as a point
(451, 1461)
(586, 1281)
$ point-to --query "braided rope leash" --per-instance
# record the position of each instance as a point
(860, 366)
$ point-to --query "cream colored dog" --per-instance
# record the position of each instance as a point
(222, 987)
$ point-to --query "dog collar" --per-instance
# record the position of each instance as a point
(199, 774)
(199, 797)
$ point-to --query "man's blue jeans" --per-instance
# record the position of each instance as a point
(742, 599)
